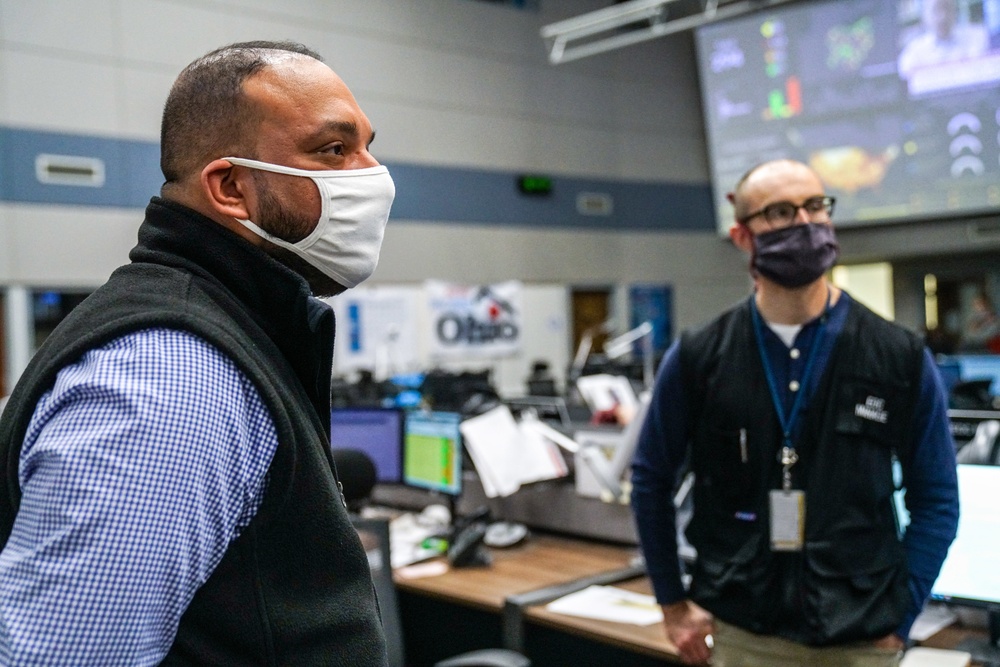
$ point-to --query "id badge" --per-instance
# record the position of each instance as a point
(788, 519)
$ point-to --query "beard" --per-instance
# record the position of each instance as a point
(278, 220)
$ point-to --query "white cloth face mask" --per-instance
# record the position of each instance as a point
(347, 239)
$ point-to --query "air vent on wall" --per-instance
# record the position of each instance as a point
(69, 170)
(594, 203)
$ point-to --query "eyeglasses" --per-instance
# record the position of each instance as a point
(782, 214)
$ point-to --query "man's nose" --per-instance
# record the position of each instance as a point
(363, 159)
(801, 215)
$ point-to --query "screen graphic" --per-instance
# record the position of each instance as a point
(874, 95)
(432, 452)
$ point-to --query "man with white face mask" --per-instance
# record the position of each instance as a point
(800, 413)
(170, 495)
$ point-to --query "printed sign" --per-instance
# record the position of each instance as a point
(475, 320)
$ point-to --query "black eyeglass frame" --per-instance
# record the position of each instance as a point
(828, 204)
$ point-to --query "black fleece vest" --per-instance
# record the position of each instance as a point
(295, 587)
(850, 580)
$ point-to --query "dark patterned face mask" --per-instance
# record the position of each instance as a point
(796, 255)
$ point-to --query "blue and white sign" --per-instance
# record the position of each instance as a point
(475, 320)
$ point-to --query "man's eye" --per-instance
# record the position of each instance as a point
(781, 211)
(336, 149)
(815, 205)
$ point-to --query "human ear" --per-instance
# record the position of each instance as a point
(226, 190)
(741, 237)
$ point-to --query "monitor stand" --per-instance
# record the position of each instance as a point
(452, 504)
(985, 651)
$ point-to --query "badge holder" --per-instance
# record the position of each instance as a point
(788, 509)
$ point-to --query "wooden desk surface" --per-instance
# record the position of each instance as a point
(951, 636)
(647, 639)
(541, 561)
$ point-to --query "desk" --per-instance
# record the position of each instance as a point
(952, 636)
(647, 640)
(542, 560)
(464, 609)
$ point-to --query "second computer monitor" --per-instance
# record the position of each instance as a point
(377, 432)
(432, 452)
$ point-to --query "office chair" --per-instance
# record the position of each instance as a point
(374, 534)
(356, 473)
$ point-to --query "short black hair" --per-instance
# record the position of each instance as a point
(207, 115)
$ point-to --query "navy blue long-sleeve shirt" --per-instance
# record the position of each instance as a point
(931, 496)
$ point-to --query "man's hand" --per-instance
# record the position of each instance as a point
(688, 628)
(891, 641)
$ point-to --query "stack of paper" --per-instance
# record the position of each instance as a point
(932, 619)
(920, 656)
(607, 603)
(507, 455)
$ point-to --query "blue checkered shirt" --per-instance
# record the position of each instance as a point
(139, 468)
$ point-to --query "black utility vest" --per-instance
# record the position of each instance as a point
(295, 587)
(850, 580)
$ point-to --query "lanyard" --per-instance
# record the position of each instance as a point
(787, 456)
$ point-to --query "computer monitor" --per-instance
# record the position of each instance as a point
(972, 367)
(950, 370)
(432, 451)
(378, 432)
(970, 575)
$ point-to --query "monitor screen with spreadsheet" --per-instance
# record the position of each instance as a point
(432, 451)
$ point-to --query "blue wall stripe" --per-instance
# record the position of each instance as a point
(428, 193)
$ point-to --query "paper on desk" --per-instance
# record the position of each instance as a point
(919, 656)
(931, 620)
(406, 538)
(507, 456)
(607, 603)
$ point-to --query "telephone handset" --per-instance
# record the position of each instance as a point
(466, 545)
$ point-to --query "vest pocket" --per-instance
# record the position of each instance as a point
(728, 578)
(871, 409)
(853, 591)
(868, 436)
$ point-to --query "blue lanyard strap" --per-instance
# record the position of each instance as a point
(788, 457)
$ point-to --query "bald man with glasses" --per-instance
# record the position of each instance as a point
(801, 414)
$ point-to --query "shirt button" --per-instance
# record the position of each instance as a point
(793, 385)
(794, 353)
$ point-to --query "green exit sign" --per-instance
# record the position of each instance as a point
(534, 185)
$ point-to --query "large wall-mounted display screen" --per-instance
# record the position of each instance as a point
(895, 103)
